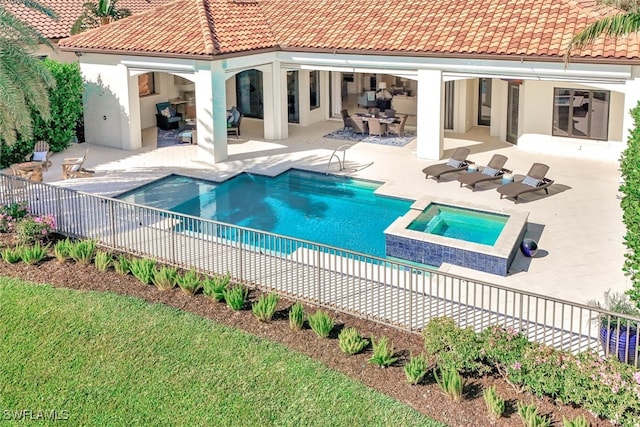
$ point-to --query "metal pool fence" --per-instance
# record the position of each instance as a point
(391, 292)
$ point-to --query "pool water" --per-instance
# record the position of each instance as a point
(460, 223)
(326, 209)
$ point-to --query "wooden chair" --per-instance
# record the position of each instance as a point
(41, 153)
(72, 167)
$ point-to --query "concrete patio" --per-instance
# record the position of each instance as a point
(578, 225)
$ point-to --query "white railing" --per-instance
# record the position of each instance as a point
(399, 294)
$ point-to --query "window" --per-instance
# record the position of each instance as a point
(146, 84)
(314, 90)
(581, 113)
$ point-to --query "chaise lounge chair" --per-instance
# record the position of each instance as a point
(457, 163)
(73, 167)
(493, 171)
(534, 181)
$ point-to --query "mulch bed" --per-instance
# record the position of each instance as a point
(426, 398)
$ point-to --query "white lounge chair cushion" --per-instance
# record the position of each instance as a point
(39, 156)
(490, 171)
(454, 163)
(533, 182)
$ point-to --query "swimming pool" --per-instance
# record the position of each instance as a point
(326, 209)
(460, 223)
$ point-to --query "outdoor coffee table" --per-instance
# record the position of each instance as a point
(28, 170)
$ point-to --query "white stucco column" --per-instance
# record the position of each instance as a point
(430, 142)
(211, 113)
(631, 98)
(274, 85)
(130, 128)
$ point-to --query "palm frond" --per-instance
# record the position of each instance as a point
(611, 26)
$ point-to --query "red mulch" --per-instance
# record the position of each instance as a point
(426, 398)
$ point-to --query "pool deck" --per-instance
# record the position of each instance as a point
(578, 226)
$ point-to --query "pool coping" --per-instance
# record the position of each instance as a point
(505, 247)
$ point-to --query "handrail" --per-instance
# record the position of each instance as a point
(342, 148)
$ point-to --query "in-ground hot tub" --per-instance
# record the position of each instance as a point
(436, 232)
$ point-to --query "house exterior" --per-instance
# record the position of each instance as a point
(454, 64)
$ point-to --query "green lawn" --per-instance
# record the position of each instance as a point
(106, 359)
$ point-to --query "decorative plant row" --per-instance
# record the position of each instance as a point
(607, 388)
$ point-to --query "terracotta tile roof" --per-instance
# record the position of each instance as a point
(521, 28)
(68, 11)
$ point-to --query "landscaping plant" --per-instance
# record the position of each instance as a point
(143, 269)
(11, 214)
(31, 229)
(103, 260)
(450, 381)
(416, 368)
(351, 342)
(82, 251)
(62, 250)
(214, 287)
(579, 421)
(122, 265)
(12, 256)
(453, 346)
(530, 417)
(165, 278)
(236, 297)
(34, 254)
(265, 307)
(383, 352)
(321, 323)
(495, 403)
(296, 316)
(189, 282)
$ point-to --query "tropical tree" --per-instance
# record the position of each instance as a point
(24, 80)
(96, 14)
(613, 26)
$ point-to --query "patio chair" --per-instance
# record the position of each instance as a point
(41, 153)
(359, 125)
(376, 128)
(72, 167)
(457, 163)
(390, 112)
(346, 120)
(534, 181)
(397, 128)
(233, 128)
(166, 116)
(493, 171)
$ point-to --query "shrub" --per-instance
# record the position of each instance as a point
(103, 260)
(495, 403)
(12, 256)
(143, 269)
(296, 316)
(530, 417)
(165, 278)
(34, 254)
(382, 352)
(189, 282)
(453, 346)
(321, 323)
(351, 342)
(450, 381)
(579, 421)
(503, 347)
(236, 297)
(82, 251)
(62, 250)
(265, 307)
(31, 229)
(122, 265)
(416, 368)
(214, 287)
(11, 214)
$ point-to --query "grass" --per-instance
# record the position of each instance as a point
(108, 359)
